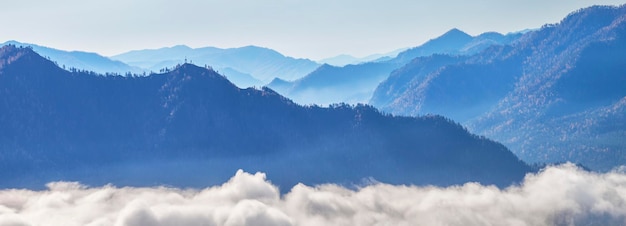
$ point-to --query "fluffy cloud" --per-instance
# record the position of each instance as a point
(558, 195)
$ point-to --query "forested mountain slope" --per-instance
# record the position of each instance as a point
(554, 95)
(190, 125)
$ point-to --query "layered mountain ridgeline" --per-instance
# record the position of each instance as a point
(80, 60)
(344, 59)
(191, 127)
(557, 94)
(330, 84)
(356, 83)
(259, 63)
(457, 42)
(460, 87)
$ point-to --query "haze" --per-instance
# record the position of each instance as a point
(300, 28)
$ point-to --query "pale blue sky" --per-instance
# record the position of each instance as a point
(301, 28)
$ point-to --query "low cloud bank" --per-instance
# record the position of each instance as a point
(558, 195)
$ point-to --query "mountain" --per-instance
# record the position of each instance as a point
(344, 59)
(261, 63)
(457, 42)
(408, 76)
(459, 87)
(81, 60)
(340, 60)
(242, 80)
(356, 83)
(190, 126)
(555, 95)
(331, 84)
(279, 85)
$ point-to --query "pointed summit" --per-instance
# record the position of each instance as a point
(24, 56)
(12, 51)
(455, 31)
(189, 71)
(448, 43)
(454, 34)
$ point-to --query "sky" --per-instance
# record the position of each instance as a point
(558, 195)
(314, 29)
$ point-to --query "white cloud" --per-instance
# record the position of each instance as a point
(559, 195)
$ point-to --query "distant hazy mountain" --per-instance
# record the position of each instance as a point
(190, 126)
(330, 84)
(344, 59)
(241, 80)
(356, 83)
(261, 63)
(280, 85)
(81, 60)
(557, 94)
(457, 42)
(340, 60)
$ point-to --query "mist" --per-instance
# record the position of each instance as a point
(557, 195)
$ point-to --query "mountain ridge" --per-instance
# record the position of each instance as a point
(81, 60)
(357, 83)
(261, 63)
(529, 95)
(61, 125)
(345, 59)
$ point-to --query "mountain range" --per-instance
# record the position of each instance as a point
(190, 126)
(552, 94)
(344, 59)
(246, 66)
(81, 60)
(356, 83)
(555, 94)
(261, 64)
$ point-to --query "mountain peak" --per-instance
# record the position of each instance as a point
(253, 47)
(11, 49)
(180, 47)
(12, 42)
(455, 34)
(491, 35)
(11, 53)
(190, 68)
(253, 50)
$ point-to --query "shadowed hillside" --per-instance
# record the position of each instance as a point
(557, 94)
(190, 126)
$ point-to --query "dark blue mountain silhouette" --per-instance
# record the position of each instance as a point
(554, 95)
(191, 127)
